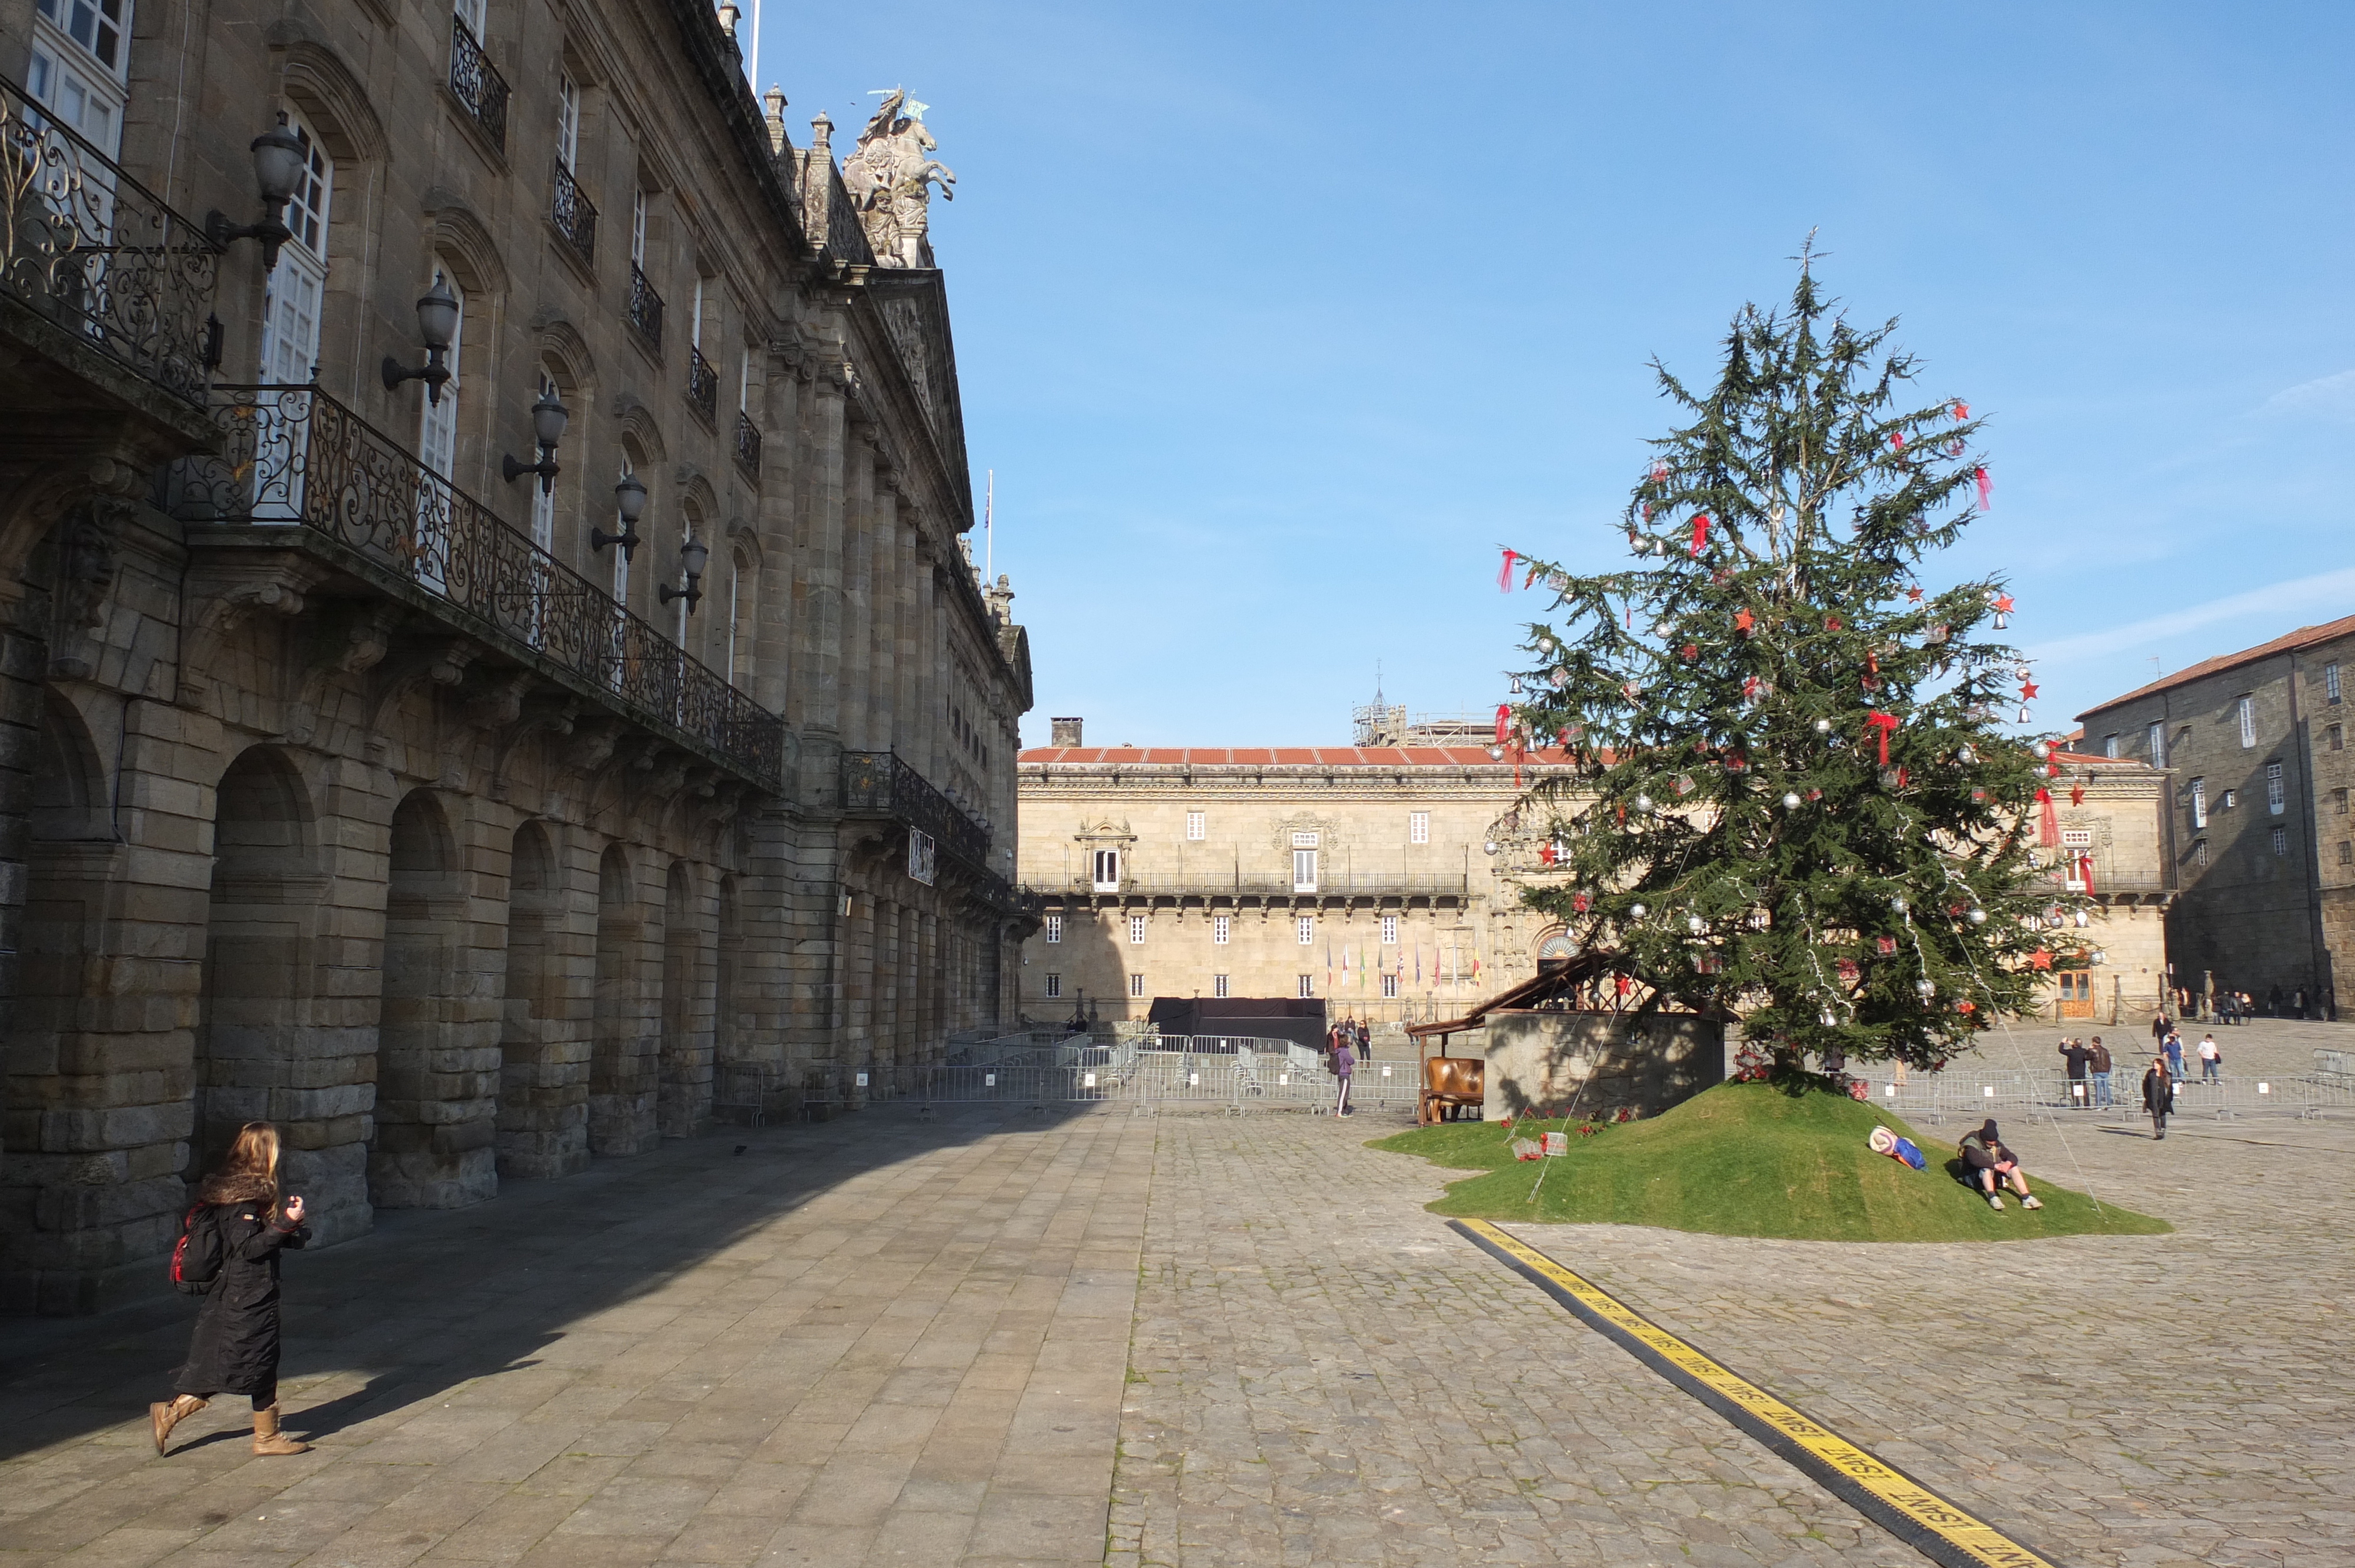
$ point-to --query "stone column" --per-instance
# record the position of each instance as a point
(858, 722)
(913, 1045)
(773, 686)
(928, 980)
(818, 610)
(885, 730)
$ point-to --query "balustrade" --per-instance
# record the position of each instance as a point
(702, 384)
(296, 458)
(93, 249)
(645, 307)
(477, 83)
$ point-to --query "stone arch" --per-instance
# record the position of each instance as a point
(543, 1120)
(685, 1093)
(71, 799)
(257, 1056)
(454, 230)
(315, 78)
(621, 1072)
(640, 428)
(437, 1052)
(565, 357)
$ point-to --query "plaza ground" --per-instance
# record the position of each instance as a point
(1190, 1339)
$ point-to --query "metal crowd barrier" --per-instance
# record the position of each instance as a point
(1972, 1096)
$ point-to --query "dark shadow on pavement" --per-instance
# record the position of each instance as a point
(432, 1298)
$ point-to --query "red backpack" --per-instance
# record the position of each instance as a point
(197, 1257)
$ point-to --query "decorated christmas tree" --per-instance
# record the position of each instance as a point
(1794, 800)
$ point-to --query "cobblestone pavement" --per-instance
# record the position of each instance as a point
(878, 1342)
(886, 1341)
(1335, 1378)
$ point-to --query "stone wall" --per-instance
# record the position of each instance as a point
(1596, 1064)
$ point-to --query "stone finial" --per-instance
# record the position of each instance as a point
(822, 133)
(728, 15)
(1001, 600)
(774, 106)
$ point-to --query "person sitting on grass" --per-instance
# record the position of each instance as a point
(1989, 1163)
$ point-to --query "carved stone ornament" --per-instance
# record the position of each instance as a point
(891, 178)
(85, 575)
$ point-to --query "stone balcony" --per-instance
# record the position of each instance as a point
(880, 786)
(304, 485)
(1224, 886)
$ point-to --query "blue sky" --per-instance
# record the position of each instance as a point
(1276, 321)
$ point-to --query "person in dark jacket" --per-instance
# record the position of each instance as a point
(2158, 1096)
(235, 1347)
(1345, 1062)
(1988, 1163)
(2078, 1058)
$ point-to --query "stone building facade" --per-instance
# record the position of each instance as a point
(2258, 829)
(428, 808)
(1381, 880)
(1385, 880)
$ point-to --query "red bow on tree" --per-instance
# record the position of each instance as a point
(1701, 532)
(1505, 572)
(1881, 724)
(1504, 721)
(2048, 826)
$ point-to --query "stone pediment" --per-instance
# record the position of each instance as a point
(913, 305)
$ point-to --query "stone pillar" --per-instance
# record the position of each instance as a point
(885, 728)
(928, 1015)
(913, 1045)
(857, 721)
(774, 684)
(548, 1002)
(818, 586)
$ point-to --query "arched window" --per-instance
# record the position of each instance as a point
(292, 293)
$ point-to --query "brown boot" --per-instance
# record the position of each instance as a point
(163, 1417)
(267, 1439)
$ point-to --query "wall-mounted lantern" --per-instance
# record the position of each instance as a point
(278, 159)
(437, 325)
(630, 501)
(691, 558)
(548, 418)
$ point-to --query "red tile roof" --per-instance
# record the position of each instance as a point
(2304, 637)
(1285, 756)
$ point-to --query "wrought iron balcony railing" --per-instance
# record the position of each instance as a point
(879, 784)
(645, 306)
(748, 447)
(1225, 881)
(574, 216)
(702, 383)
(477, 84)
(93, 251)
(296, 458)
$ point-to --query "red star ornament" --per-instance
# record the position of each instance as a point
(2039, 960)
(2026, 691)
(1743, 620)
(1913, 596)
(2076, 794)
(2003, 604)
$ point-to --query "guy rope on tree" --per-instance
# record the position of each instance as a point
(1793, 804)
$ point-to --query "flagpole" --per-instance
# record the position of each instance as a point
(752, 66)
(989, 539)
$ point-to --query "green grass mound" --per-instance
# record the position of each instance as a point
(1749, 1160)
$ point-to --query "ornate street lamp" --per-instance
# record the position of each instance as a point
(437, 324)
(279, 156)
(548, 418)
(630, 501)
(691, 558)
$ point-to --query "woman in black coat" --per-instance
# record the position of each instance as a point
(235, 1348)
(2158, 1094)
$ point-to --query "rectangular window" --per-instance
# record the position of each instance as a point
(1222, 929)
(1054, 987)
(1390, 986)
(1218, 985)
(1197, 826)
(2200, 852)
(2246, 709)
(1303, 871)
(2338, 736)
(1308, 985)
(567, 121)
(1390, 930)
(1418, 827)
(2157, 741)
(2200, 802)
(1107, 871)
(638, 230)
(2346, 853)
(1136, 930)
(1307, 929)
(2110, 745)
(2276, 789)
(2281, 841)
(2330, 683)
(1136, 985)
(1301, 839)
(2339, 803)
(1053, 925)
